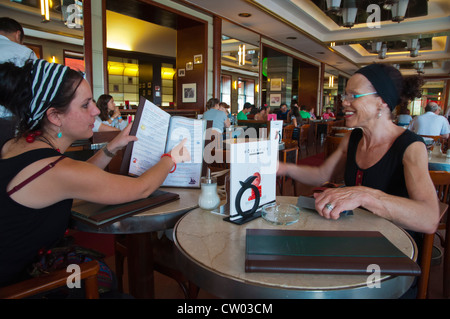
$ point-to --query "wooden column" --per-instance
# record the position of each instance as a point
(87, 26)
(217, 55)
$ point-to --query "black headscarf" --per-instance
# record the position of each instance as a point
(380, 75)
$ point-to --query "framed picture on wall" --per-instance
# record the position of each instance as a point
(189, 93)
(275, 99)
(198, 59)
(181, 72)
(189, 66)
(275, 84)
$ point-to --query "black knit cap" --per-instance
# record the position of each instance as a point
(380, 75)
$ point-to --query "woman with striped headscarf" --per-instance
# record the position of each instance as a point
(54, 107)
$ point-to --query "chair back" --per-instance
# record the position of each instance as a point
(303, 136)
(288, 131)
(441, 180)
(331, 144)
(434, 137)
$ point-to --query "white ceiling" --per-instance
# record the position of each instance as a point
(313, 31)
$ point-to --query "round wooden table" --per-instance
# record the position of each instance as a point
(214, 258)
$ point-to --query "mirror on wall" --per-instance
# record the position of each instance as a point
(239, 66)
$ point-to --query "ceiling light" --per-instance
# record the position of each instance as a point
(383, 51)
(412, 44)
(45, 10)
(241, 54)
(349, 13)
(245, 15)
(333, 5)
(419, 67)
(376, 47)
(387, 5)
(415, 53)
(399, 10)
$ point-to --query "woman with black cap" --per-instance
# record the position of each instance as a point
(386, 166)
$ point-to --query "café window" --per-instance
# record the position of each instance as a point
(167, 84)
(246, 92)
(123, 77)
(225, 89)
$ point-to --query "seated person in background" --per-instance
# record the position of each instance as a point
(304, 112)
(261, 115)
(431, 123)
(328, 114)
(296, 118)
(283, 113)
(311, 113)
(385, 166)
(110, 113)
(100, 127)
(404, 118)
(216, 115)
(252, 113)
(242, 115)
(35, 215)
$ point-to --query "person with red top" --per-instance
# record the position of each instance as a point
(328, 114)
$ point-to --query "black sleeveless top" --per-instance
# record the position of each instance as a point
(25, 231)
(387, 174)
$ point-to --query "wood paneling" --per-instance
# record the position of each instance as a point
(192, 41)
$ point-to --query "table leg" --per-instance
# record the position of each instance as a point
(447, 259)
(140, 266)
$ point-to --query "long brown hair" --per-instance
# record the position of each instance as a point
(102, 104)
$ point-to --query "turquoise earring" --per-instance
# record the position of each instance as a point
(59, 135)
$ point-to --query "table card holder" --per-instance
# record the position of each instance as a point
(252, 178)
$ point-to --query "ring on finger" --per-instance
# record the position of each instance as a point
(329, 206)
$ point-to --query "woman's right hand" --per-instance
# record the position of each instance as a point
(180, 153)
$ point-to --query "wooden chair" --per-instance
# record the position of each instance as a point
(441, 180)
(34, 286)
(288, 130)
(288, 155)
(164, 261)
(434, 137)
(105, 137)
(331, 144)
(303, 138)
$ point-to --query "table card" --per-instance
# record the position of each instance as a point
(252, 177)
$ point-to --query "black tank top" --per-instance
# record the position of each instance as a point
(25, 231)
(387, 174)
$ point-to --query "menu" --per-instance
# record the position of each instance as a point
(158, 132)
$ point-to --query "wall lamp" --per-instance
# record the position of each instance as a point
(45, 10)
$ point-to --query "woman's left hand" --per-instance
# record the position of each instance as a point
(332, 201)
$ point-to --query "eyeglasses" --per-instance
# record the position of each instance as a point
(351, 97)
